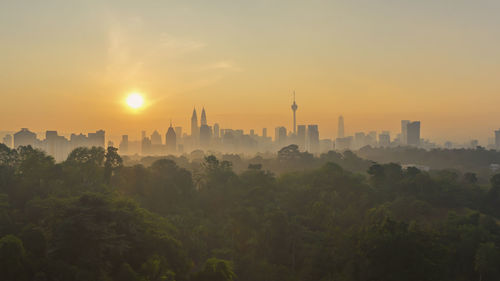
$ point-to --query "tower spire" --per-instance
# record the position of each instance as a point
(294, 109)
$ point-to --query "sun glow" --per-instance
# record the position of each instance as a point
(135, 101)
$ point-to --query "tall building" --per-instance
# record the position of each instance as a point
(280, 136)
(404, 132)
(413, 133)
(97, 139)
(194, 125)
(301, 137)
(294, 109)
(264, 132)
(123, 148)
(56, 146)
(384, 139)
(24, 138)
(312, 138)
(156, 138)
(178, 134)
(497, 139)
(171, 140)
(205, 136)
(203, 118)
(216, 130)
(340, 129)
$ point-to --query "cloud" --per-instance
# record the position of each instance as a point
(223, 65)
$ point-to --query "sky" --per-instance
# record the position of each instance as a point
(69, 65)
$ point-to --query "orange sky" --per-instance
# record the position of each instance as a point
(69, 66)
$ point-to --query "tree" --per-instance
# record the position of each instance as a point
(11, 257)
(215, 270)
(113, 162)
(487, 260)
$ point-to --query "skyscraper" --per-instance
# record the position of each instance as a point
(194, 124)
(24, 138)
(156, 138)
(340, 129)
(413, 133)
(171, 139)
(203, 120)
(264, 132)
(280, 136)
(205, 131)
(123, 147)
(178, 134)
(301, 137)
(384, 139)
(294, 109)
(404, 132)
(497, 139)
(312, 138)
(216, 130)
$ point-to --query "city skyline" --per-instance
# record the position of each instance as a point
(371, 62)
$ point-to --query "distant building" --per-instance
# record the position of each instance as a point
(384, 139)
(123, 148)
(146, 146)
(343, 143)
(340, 129)
(312, 138)
(264, 132)
(301, 137)
(194, 126)
(203, 118)
(171, 140)
(205, 135)
(178, 134)
(97, 139)
(156, 138)
(294, 109)
(24, 138)
(413, 133)
(404, 134)
(497, 139)
(216, 130)
(280, 136)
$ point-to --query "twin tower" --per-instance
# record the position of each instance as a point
(201, 135)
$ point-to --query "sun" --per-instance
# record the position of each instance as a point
(135, 101)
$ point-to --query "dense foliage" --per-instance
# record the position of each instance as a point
(92, 218)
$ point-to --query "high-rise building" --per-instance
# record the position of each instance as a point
(97, 139)
(384, 139)
(404, 132)
(178, 134)
(264, 132)
(301, 137)
(171, 140)
(294, 109)
(156, 138)
(194, 125)
(340, 129)
(24, 138)
(203, 120)
(146, 146)
(216, 130)
(123, 148)
(413, 133)
(205, 136)
(497, 139)
(312, 138)
(280, 136)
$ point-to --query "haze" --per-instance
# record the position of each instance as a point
(69, 65)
